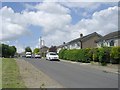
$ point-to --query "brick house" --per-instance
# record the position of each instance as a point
(87, 41)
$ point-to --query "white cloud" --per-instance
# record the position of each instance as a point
(11, 25)
(52, 8)
(81, 4)
(15, 24)
(102, 22)
(56, 23)
(47, 20)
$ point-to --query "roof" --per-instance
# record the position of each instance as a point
(87, 37)
(112, 35)
(84, 38)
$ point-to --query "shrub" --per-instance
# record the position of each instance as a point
(95, 54)
(115, 55)
(87, 55)
(61, 53)
(79, 55)
(104, 55)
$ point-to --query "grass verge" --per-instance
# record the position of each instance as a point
(10, 74)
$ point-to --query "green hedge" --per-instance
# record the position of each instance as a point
(115, 55)
(102, 55)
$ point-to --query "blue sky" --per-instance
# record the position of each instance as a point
(24, 23)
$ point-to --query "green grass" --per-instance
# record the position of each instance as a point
(10, 74)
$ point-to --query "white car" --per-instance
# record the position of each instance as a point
(28, 54)
(52, 56)
(37, 56)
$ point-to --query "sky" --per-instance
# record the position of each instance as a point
(23, 23)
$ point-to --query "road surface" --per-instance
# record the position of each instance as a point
(75, 76)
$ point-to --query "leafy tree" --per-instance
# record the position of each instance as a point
(36, 50)
(0, 50)
(12, 51)
(7, 51)
(28, 49)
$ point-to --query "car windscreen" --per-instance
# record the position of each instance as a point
(28, 54)
(53, 54)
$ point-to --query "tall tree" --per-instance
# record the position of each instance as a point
(7, 51)
(12, 51)
(28, 49)
(36, 51)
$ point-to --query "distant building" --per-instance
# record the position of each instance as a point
(111, 39)
(87, 41)
(44, 50)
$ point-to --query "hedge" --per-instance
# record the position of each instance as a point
(115, 55)
(102, 55)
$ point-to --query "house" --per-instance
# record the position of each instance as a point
(111, 39)
(63, 46)
(87, 41)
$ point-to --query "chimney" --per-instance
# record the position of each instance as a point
(81, 45)
(81, 35)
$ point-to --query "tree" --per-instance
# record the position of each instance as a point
(12, 51)
(28, 49)
(36, 51)
(7, 51)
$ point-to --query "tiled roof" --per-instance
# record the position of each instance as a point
(111, 35)
(84, 38)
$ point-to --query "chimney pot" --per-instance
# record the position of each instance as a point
(81, 35)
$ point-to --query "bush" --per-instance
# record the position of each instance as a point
(102, 55)
(79, 55)
(115, 55)
(87, 55)
(61, 53)
(95, 54)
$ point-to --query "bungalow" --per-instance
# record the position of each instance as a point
(87, 41)
(111, 39)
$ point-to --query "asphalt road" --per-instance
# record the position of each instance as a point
(75, 76)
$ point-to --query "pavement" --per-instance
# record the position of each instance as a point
(34, 78)
(75, 75)
(110, 68)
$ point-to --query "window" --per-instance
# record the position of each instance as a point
(112, 43)
(78, 43)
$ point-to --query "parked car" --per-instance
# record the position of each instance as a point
(52, 56)
(37, 56)
(28, 54)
